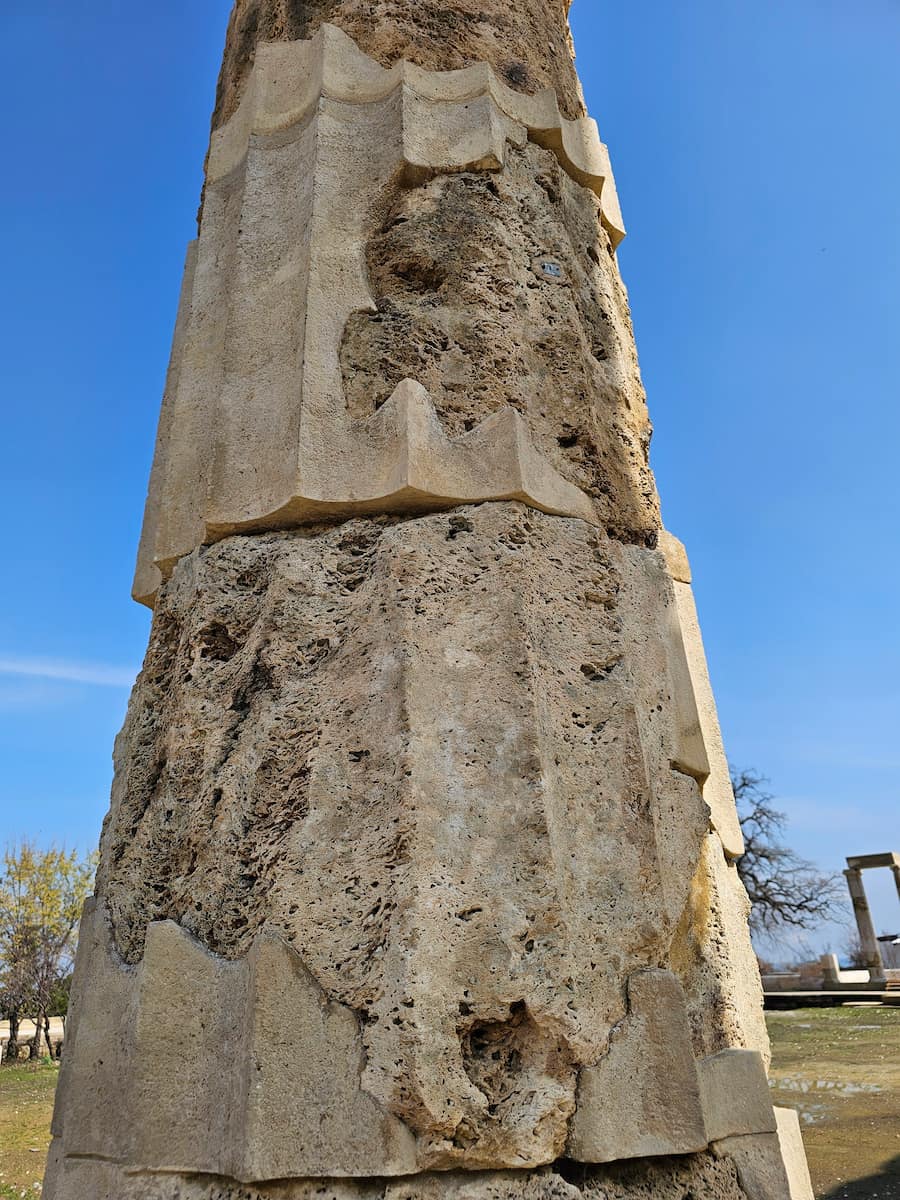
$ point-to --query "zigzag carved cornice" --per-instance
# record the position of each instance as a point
(289, 79)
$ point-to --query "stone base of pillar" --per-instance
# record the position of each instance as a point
(704, 1176)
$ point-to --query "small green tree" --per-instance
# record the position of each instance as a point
(41, 896)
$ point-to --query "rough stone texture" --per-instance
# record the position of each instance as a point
(434, 755)
(528, 43)
(239, 1068)
(760, 1165)
(460, 306)
(712, 954)
(435, 249)
(306, 1110)
(735, 1094)
(407, 837)
(703, 1176)
(643, 1099)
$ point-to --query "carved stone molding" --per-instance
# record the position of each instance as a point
(255, 431)
(449, 119)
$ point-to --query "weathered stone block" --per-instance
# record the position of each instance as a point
(462, 815)
(760, 1166)
(93, 1113)
(790, 1139)
(734, 1090)
(717, 790)
(643, 1099)
(186, 1079)
(664, 1179)
(712, 954)
(306, 1114)
(251, 440)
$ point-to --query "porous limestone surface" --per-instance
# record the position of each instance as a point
(713, 956)
(702, 1176)
(260, 1075)
(435, 756)
(485, 290)
(463, 302)
(527, 43)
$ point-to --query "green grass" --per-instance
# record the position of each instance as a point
(26, 1105)
(840, 1068)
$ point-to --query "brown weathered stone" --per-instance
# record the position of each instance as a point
(473, 865)
(703, 1176)
(527, 43)
(417, 871)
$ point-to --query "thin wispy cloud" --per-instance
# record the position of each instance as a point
(93, 674)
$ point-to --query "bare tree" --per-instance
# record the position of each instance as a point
(785, 890)
(853, 950)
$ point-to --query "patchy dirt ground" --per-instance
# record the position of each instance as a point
(26, 1105)
(840, 1067)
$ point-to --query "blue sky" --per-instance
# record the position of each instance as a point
(758, 165)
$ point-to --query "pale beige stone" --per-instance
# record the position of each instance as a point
(734, 1090)
(449, 118)
(793, 1154)
(717, 789)
(760, 1166)
(713, 956)
(305, 1112)
(643, 1099)
(529, 45)
(691, 751)
(674, 553)
(93, 1113)
(241, 1069)
(186, 1076)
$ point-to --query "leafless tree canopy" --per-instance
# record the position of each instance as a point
(784, 889)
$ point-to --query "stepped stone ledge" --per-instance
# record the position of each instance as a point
(257, 429)
(451, 120)
(246, 1069)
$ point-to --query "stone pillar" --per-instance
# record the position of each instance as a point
(421, 849)
(867, 938)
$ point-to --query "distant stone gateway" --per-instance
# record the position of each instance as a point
(418, 878)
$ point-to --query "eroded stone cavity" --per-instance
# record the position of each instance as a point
(435, 756)
(466, 304)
